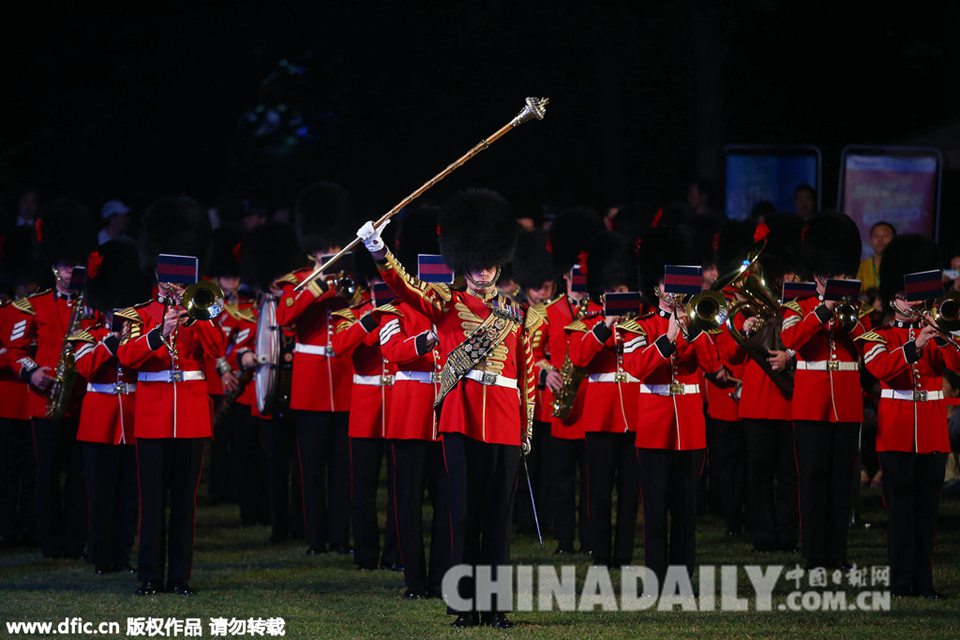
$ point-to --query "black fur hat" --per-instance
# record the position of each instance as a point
(611, 262)
(734, 242)
(416, 234)
(707, 234)
(831, 245)
(321, 217)
(173, 224)
(114, 278)
(269, 251)
(571, 233)
(658, 247)
(782, 253)
(65, 232)
(224, 253)
(477, 230)
(533, 264)
(907, 253)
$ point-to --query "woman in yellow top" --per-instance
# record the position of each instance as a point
(881, 233)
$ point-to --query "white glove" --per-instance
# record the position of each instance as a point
(370, 236)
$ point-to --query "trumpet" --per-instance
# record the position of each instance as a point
(846, 314)
(944, 312)
(706, 311)
(201, 300)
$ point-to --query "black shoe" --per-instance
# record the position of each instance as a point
(391, 566)
(465, 620)
(932, 595)
(342, 549)
(148, 588)
(563, 550)
(415, 594)
(182, 589)
(497, 621)
(125, 567)
(316, 551)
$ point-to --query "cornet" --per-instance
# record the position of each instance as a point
(202, 300)
(945, 313)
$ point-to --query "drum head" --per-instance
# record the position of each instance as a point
(268, 348)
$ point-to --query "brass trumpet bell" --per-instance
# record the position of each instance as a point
(745, 278)
(202, 301)
(946, 313)
(707, 310)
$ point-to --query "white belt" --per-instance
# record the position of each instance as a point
(484, 377)
(314, 350)
(121, 388)
(675, 389)
(612, 377)
(909, 394)
(169, 376)
(827, 365)
(374, 381)
(427, 377)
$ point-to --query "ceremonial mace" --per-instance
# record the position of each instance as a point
(535, 108)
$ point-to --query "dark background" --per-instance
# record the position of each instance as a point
(132, 101)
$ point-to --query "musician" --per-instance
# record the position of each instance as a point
(322, 378)
(106, 430)
(486, 384)
(908, 357)
(356, 333)
(671, 433)
(65, 236)
(409, 342)
(827, 405)
(172, 420)
(569, 236)
(765, 394)
(610, 400)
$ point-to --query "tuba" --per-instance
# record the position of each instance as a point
(746, 280)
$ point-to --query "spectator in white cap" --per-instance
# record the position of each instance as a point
(115, 221)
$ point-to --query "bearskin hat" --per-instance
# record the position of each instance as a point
(782, 253)
(658, 247)
(705, 235)
(416, 234)
(65, 232)
(533, 264)
(905, 254)
(173, 224)
(321, 217)
(571, 233)
(734, 242)
(831, 244)
(114, 277)
(611, 262)
(268, 251)
(225, 253)
(477, 230)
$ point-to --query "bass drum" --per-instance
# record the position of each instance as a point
(266, 379)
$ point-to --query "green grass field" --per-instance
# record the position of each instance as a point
(238, 575)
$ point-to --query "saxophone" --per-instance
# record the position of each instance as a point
(61, 391)
(572, 377)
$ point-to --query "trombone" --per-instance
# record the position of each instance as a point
(942, 314)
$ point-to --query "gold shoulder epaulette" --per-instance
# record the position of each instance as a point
(715, 332)
(577, 325)
(130, 313)
(290, 278)
(233, 309)
(389, 308)
(536, 316)
(865, 310)
(631, 325)
(23, 304)
(871, 336)
(141, 305)
(346, 314)
(247, 314)
(549, 303)
(442, 290)
(82, 336)
(794, 306)
(37, 294)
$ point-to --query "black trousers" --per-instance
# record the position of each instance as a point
(569, 512)
(279, 439)
(772, 515)
(826, 462)
(366, 456)
(728, 470)
(418, 465)
(325, 476)
(669, 482)
(111, 475)
(538, 464)
(249, 458)
(18, 478)
(61, 504)
(169, 471)
(480, 478)
(911, 489)
(612, 463)
(224, 471)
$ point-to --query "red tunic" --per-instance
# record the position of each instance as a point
(12, 389)
(243, 339)
(670, 409)
(47, 315)
(611, 394)
(826, 386)
(914, 420)
(229, 322)
(415, 387)
(172, 407)
(499, 411)
(373, 377)
(322, 378)
(107, 413)
(560, 313)
(539, 341)
(720, 402)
